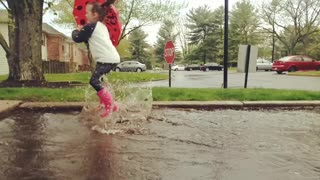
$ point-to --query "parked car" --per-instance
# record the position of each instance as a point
(211, 66)
(130, 66)
(178, 67)
(295, 63)
(192, 67)
(263, 64)
(157, 69)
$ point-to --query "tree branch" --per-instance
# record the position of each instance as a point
(4, 5)
(128, 20)
(133, 29)
(4, 45)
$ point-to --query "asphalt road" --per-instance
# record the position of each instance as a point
(260, 79)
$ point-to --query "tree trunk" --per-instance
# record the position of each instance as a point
(273, 46)
(25, 39)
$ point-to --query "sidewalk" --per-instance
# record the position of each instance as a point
(201, 105)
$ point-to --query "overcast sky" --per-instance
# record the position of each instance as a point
(213, 4)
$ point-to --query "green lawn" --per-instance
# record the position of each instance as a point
(306, 73)
(176, 94)
(162, 94)
(3, 77)
(84, 77)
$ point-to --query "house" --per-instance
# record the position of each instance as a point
(56, 48)
(4, 68)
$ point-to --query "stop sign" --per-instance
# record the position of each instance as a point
(169, 52)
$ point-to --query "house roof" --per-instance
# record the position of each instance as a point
(51, 31)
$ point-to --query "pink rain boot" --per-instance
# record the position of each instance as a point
(115, 106)
(107, 100)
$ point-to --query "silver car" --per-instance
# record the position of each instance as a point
(263, 64)
(130, 66)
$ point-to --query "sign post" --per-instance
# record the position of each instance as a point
(169, 55)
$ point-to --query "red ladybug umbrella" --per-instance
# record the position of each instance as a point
(112, 20)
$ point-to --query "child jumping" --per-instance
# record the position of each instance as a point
(103, 52)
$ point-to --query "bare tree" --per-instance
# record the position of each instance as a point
(183, 37)
(134, 13)
(292, 21)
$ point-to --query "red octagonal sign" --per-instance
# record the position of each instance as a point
(169, 52)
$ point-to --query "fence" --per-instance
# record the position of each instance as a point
(55, 67)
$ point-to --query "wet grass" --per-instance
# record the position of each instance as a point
(3, 77)
(306, 73)
(43, 94)
(178, 94)
(162, 94)
(84, 77)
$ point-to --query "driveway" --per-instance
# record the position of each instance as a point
(260, 79)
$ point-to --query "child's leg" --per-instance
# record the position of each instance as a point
(103, 92)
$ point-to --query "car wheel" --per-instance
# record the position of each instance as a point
(292, 69)
(318, 68)
(117, 69)
(190, 69)
(207, 69)
(176, 69)
(279, 72)
(257, 69)
(139, 70)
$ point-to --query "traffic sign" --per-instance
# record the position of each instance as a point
(169, 52)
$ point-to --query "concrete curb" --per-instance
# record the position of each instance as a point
(6, 106)
(52, 105)
(210, 105)
(201, 105)
(205, 105)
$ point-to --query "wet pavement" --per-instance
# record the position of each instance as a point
(260, 79)
(169, 144)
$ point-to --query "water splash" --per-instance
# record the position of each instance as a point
(135, 104)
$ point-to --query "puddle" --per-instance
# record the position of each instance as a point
(175, 144)
(135, 107)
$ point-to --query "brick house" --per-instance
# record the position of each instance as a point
(56, 47)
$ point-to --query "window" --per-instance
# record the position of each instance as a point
(43, 41)
(266, 61)
(287, 58)
(307, 59)
(296, 58)
(63, 48)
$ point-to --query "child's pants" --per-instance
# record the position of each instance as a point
(101, 69)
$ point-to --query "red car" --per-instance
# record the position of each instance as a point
(295, 63)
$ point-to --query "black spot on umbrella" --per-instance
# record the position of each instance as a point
(82, 22)
(79, 8)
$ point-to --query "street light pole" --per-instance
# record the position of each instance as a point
(226, 37)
